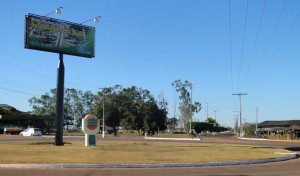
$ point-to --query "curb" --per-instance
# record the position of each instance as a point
(170, 165)
(173, 139)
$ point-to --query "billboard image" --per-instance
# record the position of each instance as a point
(53, 35)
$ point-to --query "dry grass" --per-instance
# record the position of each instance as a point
(167, 135)
(125, 152)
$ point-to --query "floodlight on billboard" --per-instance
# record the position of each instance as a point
(58, 36)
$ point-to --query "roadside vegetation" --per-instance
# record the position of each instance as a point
(129, 152)
(126, 109)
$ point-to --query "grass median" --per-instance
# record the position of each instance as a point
(127, 152)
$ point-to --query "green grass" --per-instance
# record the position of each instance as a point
(126, 152)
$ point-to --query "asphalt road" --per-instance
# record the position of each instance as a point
(290, 168)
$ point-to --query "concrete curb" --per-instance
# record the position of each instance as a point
(173, 139)
(230, 163)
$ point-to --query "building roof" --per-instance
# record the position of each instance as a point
(282, 123)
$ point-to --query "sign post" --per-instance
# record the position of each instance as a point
(63, 37)
(90, 126)
(59, 102)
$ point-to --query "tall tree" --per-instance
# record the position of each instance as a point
(109, 96)
(44, 105)
(186, 107)
(140, 111)
(76, 104)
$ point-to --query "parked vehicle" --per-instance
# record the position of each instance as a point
(15, 130)
(31, 132)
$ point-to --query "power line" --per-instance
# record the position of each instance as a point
(230, 44)
(279, 48)
(255, 42)
(23, 69)
(17, 91)
(270, 40)
(243, 43)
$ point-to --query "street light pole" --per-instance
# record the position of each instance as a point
(256, 122)
(191, 108)
(103, 114)
(206, 110)
(240, 94)
(215, 115)
(103, 118)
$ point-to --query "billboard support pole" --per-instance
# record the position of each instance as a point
(59, 102)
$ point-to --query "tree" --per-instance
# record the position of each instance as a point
(76, 105)
(249, 129)
(186, 106)
(212, 121)
(12, 116)
(140, 111)
(45, 105)
(136, 112)
(172, 123)
(109, 96)
(210, 125)
(9, 110)
(200, 127)
(133, 108)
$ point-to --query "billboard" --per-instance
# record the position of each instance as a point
(53, 35)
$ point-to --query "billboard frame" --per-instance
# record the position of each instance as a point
(59, 36)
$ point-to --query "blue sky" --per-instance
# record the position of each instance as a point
(252, 48)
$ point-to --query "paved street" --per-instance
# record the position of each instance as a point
(290, 167)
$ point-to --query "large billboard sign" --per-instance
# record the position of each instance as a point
(53, 35)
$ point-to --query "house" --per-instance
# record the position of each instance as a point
(284, 129)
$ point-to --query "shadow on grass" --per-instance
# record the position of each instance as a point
(294, 149)
(45, 143)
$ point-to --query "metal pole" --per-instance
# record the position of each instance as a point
(59, 102)
(191, 108)
(241, 133)
(256, 122)
(103, 120)
(215, 115)
(206, 110)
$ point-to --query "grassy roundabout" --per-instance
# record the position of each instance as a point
(129, 152)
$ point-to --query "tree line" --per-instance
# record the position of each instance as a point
(132, 108)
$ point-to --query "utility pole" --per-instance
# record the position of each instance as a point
(256, 122)
(240, 94)
(215, 115)
(236, 124)
(206, 110)
(175, 108)
(103, 114)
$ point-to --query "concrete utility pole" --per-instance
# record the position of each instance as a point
(206, 110)
(256, 122)
(103, 114)
(215, 115)
(240, 94)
